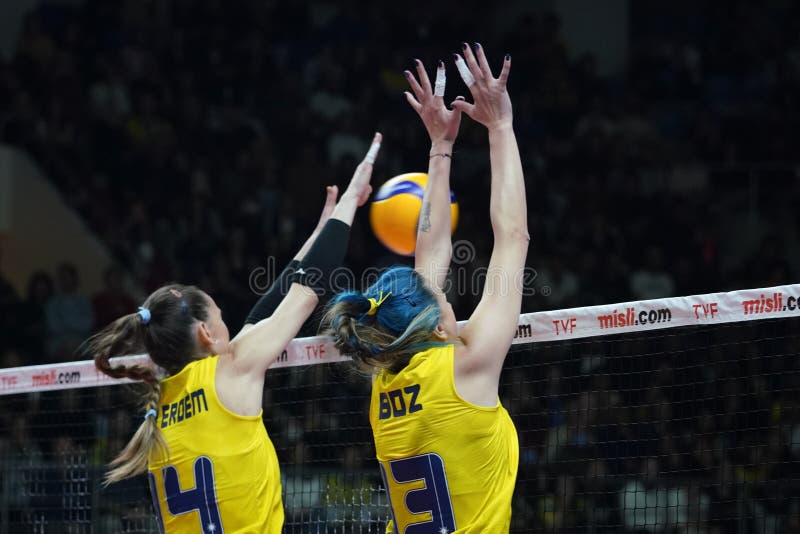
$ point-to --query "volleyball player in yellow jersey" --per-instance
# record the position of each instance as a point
(448, 450)
(210, 463)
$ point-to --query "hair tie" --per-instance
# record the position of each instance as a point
(375, 304)
(145, 314)
(150, 413)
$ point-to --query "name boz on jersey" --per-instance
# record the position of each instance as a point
(399, 402)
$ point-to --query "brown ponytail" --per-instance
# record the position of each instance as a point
(168, 337)
(124, 336)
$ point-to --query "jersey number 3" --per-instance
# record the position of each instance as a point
(201, 498)
(433, 498)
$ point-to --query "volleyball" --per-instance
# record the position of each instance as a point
(394, 212)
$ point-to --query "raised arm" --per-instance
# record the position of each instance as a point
(434, 248)
(490, 330)
(331, 194)
(270, 300)
(257, 346)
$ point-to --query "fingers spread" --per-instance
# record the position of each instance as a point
(424, 81)
(459, 104)
(413, 101)
(464, 71)
(441, 81)
(472, 63)
(482, 63)
(412, 81)
(506, 69)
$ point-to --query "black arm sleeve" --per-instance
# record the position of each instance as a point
(270, 300)
(325, 255)
(327, 252)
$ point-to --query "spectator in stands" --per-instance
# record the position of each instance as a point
(652, 280)
(643, 501)
(113, 301)
(33, 318)
(9, 311)
(563, 286)
(69, 315)
(20, 458)
(719, 95)
(611, 150)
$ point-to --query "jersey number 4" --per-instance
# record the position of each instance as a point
(433, 498)
(201, 498)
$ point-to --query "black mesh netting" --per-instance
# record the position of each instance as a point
(693, 429)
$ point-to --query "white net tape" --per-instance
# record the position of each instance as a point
(574, 323)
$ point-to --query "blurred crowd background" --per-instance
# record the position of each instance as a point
(195, 138)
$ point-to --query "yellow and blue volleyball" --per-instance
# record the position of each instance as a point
(394, 213)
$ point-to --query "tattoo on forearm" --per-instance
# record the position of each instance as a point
(425, 218)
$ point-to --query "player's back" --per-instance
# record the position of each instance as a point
(222, 472)
(446, 461)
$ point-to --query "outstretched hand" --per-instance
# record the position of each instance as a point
(492, 106)
(442, 124)
(359, 186)
(331, 196)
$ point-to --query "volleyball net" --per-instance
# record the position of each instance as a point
(669, 415)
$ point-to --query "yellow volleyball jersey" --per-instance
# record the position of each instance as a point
(222, 472)
(449, 465)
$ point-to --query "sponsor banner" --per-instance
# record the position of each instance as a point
(574, 323)
(734, 306)
(67, 375)
(309, 351)
(83, 374)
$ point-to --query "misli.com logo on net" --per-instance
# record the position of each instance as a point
(770, 304)
(523, 331)
(630, 317)
(51, 378)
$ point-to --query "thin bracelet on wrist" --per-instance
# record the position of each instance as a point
(443, 155)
